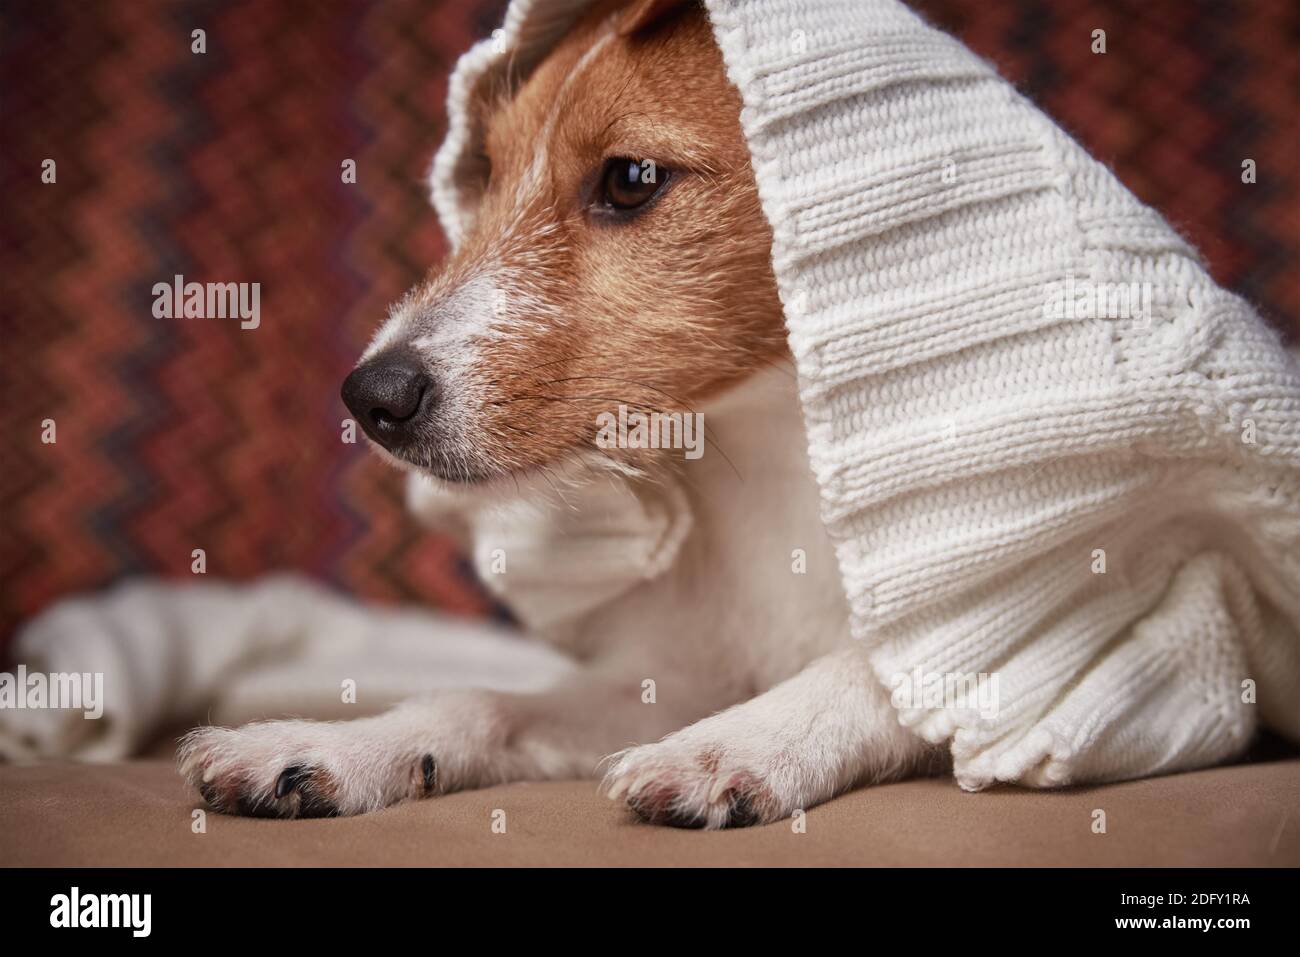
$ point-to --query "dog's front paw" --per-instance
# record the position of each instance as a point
(303, 769)
(685, 782)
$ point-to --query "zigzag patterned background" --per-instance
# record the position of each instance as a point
(175, 434)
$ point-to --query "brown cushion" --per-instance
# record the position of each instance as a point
(139, 813)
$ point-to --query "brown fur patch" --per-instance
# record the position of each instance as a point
(710, 761)
(659, 311)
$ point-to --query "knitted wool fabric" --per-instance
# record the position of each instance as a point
(1049, 447)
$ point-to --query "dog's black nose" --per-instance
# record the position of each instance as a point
(386, 395)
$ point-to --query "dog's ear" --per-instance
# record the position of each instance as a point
(643, 14)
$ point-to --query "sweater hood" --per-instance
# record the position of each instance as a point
(1050, 449)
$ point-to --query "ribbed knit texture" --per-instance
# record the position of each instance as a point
(979, 454)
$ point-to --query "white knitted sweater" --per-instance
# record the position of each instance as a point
(1101, 505)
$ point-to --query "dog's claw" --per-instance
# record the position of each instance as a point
(288, 780)
(429, 771)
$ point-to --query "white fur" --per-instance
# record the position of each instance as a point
(728, 627)
(687, 581)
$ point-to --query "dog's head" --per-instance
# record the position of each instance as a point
(619, 256)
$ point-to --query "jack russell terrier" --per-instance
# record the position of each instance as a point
(620, 261)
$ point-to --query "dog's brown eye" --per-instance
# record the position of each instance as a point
(629, 183)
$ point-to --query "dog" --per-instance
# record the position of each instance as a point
(620, 260)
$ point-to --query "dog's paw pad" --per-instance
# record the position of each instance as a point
(305, 769)
(244, 772)
(737, 804)
(663, 785)
(297, 791)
